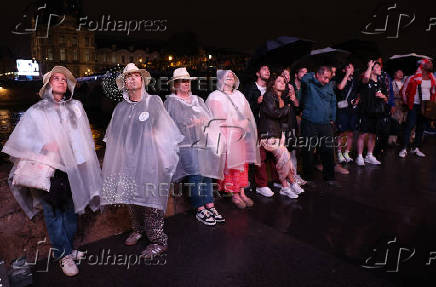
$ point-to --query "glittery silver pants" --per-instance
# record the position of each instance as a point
(149, 221)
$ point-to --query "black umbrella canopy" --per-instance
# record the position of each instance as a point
(280, 52)
(408, 63)
(361, 52)
(322, 57)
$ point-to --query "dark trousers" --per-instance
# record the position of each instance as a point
(414, 118)
(201, 191)
(319, 137)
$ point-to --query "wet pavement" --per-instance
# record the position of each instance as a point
(376, 228)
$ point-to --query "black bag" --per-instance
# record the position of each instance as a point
(60, 191)
(383, 126)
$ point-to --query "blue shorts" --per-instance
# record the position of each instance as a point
(346, 120)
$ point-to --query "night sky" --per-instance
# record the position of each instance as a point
(245, 25)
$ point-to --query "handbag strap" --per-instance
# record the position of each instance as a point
(349, 90)
(234, 106)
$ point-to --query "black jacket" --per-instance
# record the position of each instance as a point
(252, 93)
(272, 118)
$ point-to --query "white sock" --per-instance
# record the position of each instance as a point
(369, 154)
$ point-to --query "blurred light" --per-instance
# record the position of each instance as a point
(140, 60)
(89, 70)
(170, 58)
(210, 56)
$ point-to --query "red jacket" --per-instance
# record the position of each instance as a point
(410, 86)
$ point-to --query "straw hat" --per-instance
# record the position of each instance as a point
(132, 68)
(71, 81)
(181, 74)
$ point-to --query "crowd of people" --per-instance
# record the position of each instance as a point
(256, 137)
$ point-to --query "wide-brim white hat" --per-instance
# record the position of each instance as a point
(71, 81)
(181, 74)
(132, 68)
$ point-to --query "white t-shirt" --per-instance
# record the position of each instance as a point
(425, 87)
(261, 89)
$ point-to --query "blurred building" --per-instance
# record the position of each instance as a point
(65, 46)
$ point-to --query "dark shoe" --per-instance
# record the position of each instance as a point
(153, 250)
(206, 217)
(218, 217)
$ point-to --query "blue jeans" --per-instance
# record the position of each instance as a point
(201, 190)
(414, 118)
(61, 226)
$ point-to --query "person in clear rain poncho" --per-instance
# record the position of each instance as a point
(200, 151)
(140, 159)
(233, 115)
(55, 163)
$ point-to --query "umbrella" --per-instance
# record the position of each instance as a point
(406, 62)
(282, 51)
(361, 52)
(323, 57)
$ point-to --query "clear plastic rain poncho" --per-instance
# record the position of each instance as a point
(141, 153)
(64, 127)
(233, 115)
(200, 151)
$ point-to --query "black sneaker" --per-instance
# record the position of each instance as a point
(218, 217)
(206, 217)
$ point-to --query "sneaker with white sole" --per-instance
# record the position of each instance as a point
(418, 152)
(287, 191)
(278, 185)
(205, 217)
(68, 266)
(299, 180)
(402, 153)
(296, 188)
(265, 191)
(216, 215)
(347, 157)
(360, 161)
(372, 160)
(341, 157)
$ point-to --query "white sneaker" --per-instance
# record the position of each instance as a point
(288, 192)
(78, 255)
(265, 191)
(296, 188)
(372, 160)
(276, 184)
(299, 180)
(341, 158)
(418, 152)
(360, 161)
(68, 266)
(403, 153)
(347, 157)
